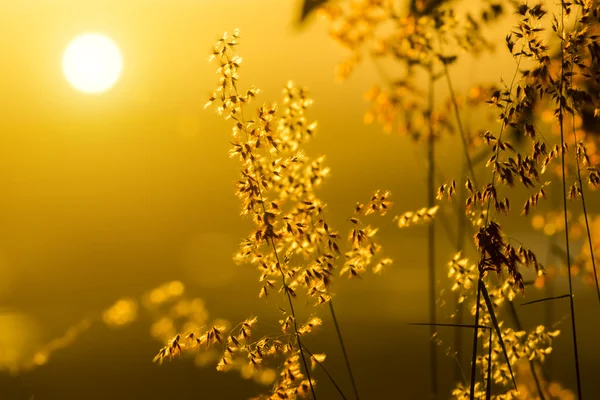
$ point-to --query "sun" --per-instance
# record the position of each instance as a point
(92, 63)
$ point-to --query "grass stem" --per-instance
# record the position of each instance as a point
(474, 353)
(346, 358)
(582, 193)
(326, 372)
(564, 185)
(431, 193)
(460, 306)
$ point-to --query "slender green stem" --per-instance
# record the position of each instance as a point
(564, 184)
(346, 358)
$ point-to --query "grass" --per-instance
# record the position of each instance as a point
(270, 194)
(301, 257)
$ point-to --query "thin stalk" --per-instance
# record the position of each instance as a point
(475, 332)
(339, 334)
(272, 242)
(326, 372)
(488, 388)
(549, 288)
(460, 244)
(461, 229)
(490, 307)
(459, 125)
(433, 362)
(449, 325)
(346, 358)
(289, 297)
(461, 220)
(564, 184)
(587, 223)
(562, 296)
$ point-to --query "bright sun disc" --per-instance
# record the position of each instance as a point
(92, 63)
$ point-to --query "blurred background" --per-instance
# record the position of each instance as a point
(109, 196)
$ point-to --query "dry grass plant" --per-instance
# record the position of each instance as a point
(294, 248)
